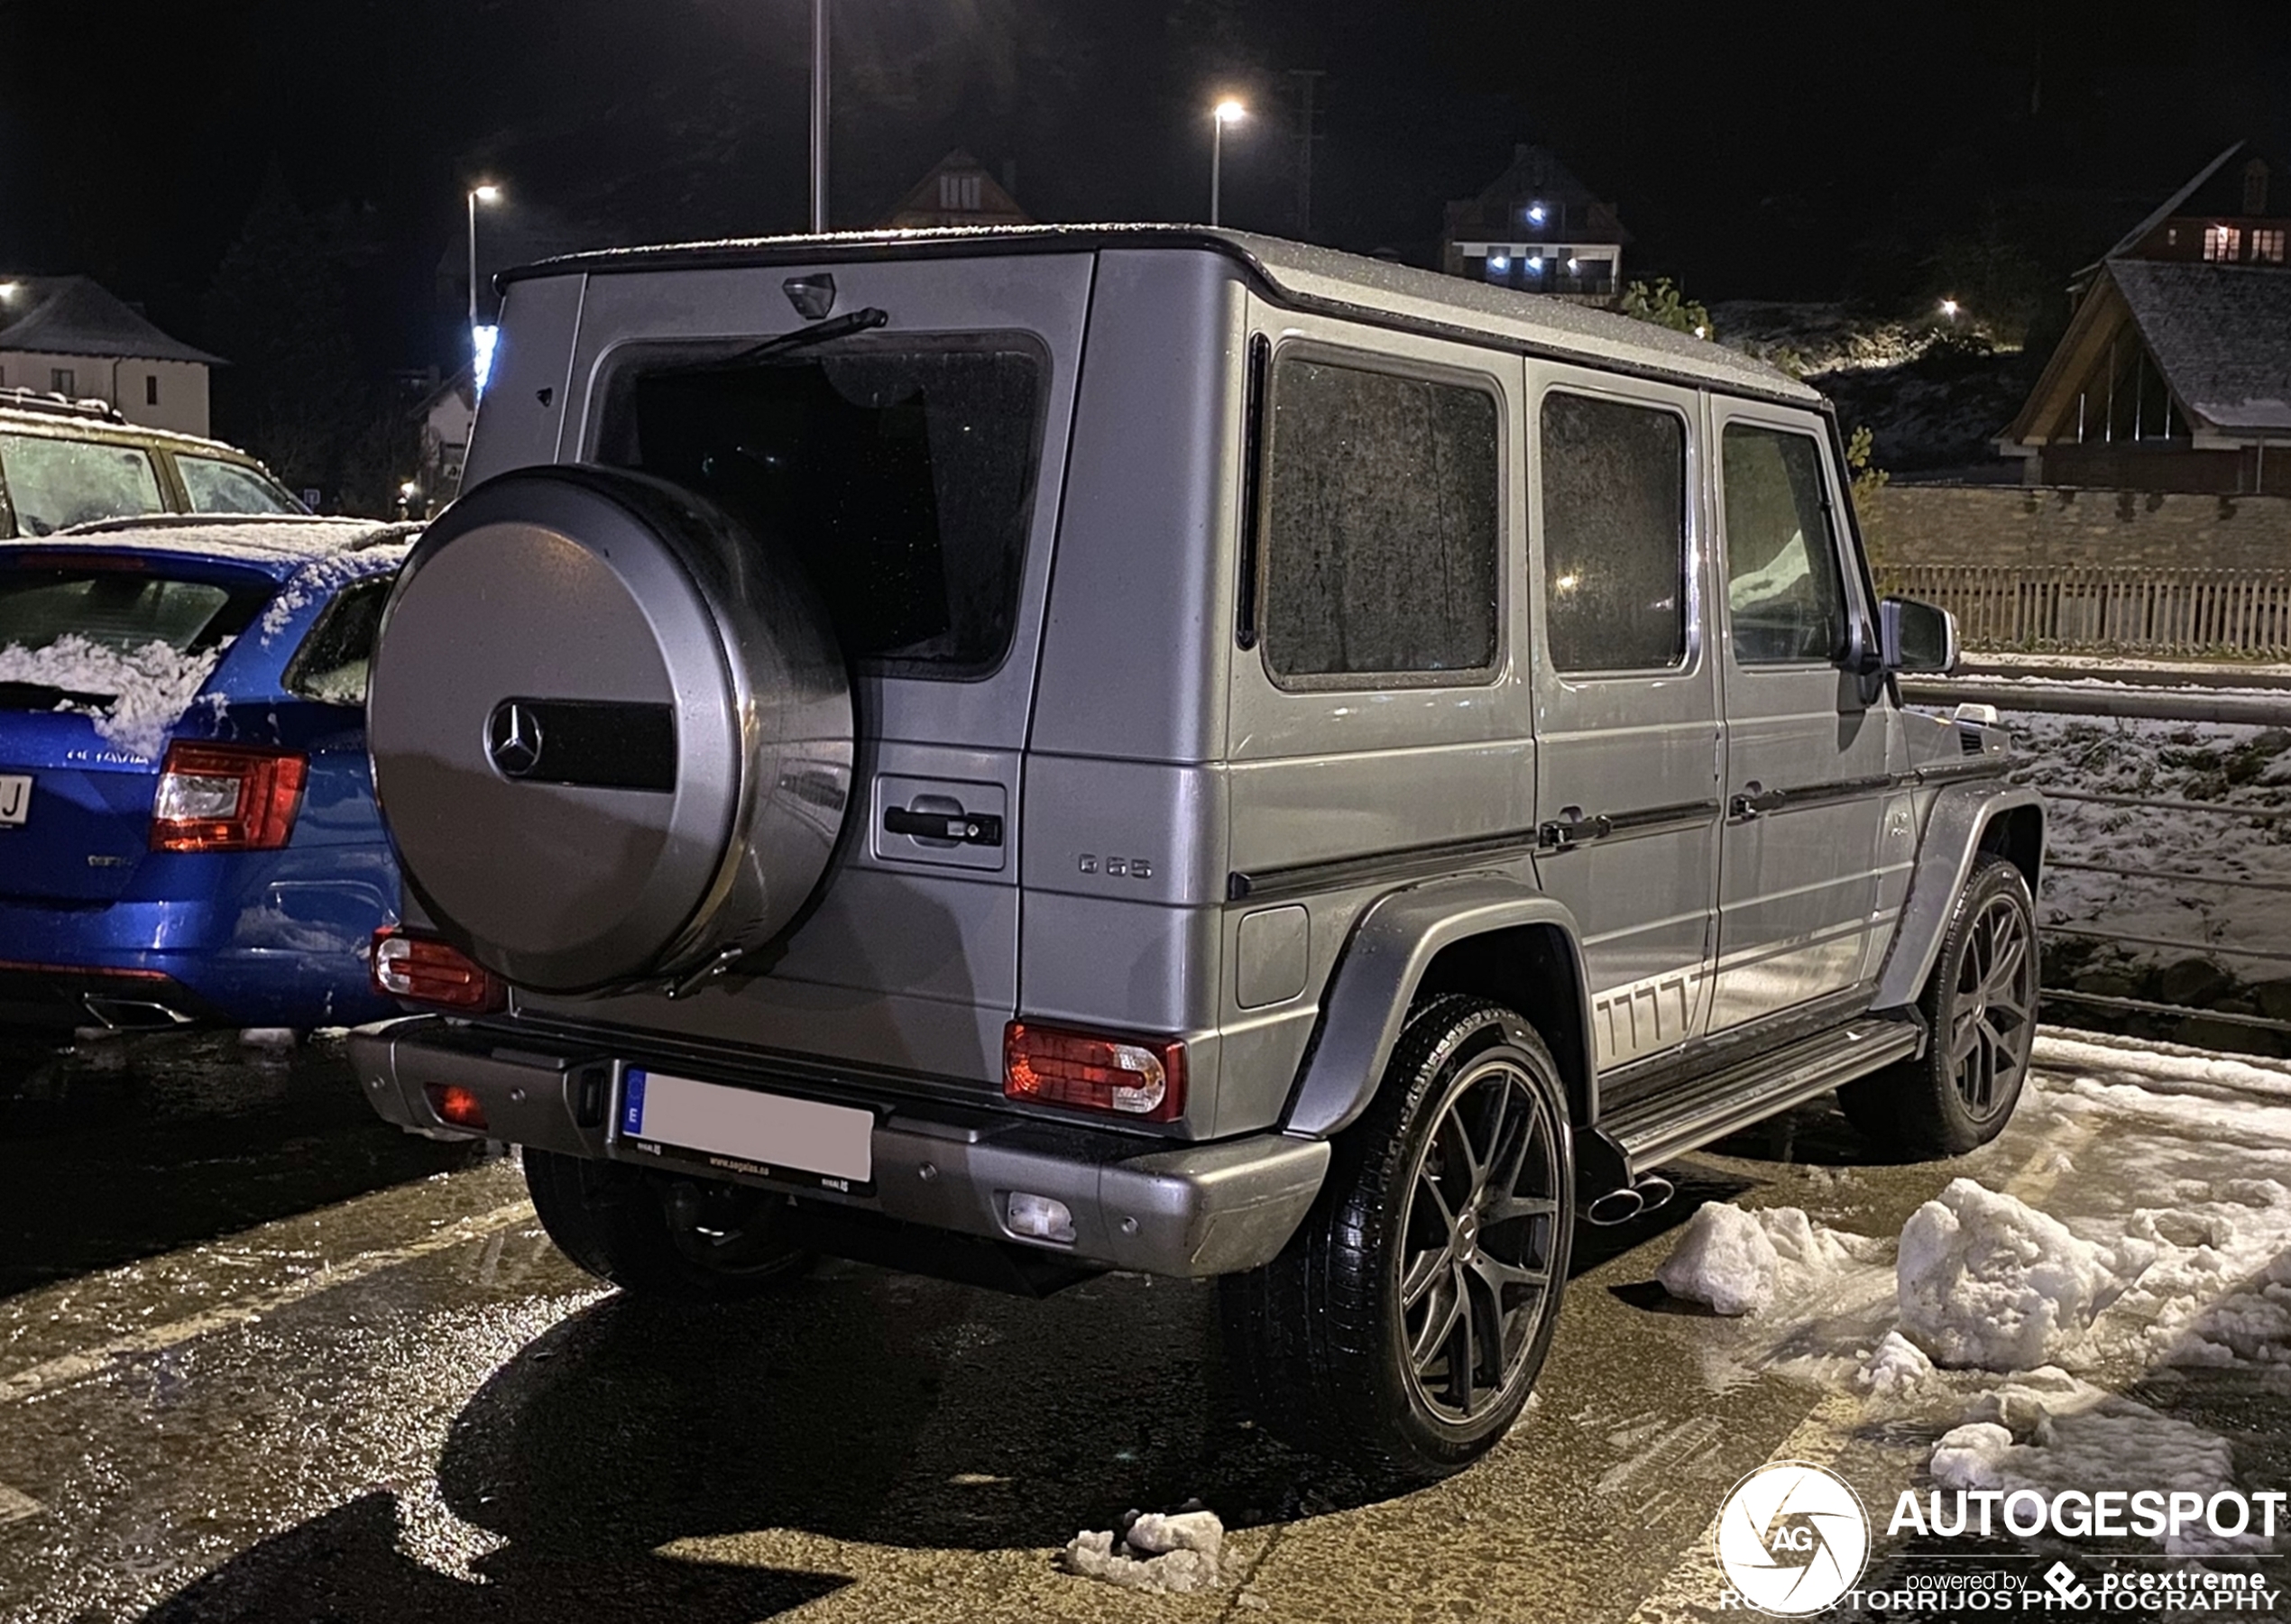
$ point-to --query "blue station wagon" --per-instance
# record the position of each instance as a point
(187, 829)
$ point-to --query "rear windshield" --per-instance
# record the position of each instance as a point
(902, 474)
(76, 631)
(54, 483)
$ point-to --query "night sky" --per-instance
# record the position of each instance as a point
(1755, 152)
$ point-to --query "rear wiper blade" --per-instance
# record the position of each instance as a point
(803, 338)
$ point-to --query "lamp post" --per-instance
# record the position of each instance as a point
(488, 193)
(819, 116)
(1227, 111)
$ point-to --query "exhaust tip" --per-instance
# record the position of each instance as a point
(1654, 1190)
(134, 1015)
(1616, 1207)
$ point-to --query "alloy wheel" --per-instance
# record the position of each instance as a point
(1477, 1258)
(1994, 1015)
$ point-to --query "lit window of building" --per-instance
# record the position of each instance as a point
(2267, 245)
(2223, 243)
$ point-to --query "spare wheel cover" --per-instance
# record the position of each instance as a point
(610, 732)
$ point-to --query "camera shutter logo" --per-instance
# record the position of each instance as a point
(1793, 1538)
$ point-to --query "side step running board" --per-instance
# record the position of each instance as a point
(1653, 1131)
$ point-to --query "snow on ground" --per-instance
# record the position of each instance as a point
(1174, 1553)
(145, 689)
(2233, 766)
(2013, 1328)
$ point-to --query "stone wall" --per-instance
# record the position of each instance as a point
(2039, 527)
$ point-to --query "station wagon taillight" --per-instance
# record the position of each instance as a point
(226, 797)
(1128, 1077)
(423, 969)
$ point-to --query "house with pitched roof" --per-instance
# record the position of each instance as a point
(959, 191)
(69, 335)
(1537, 227)
(2174, 374)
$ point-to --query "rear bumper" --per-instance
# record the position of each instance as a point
(166, 963)
(1185, 1210)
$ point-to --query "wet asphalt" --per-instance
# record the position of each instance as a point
(263, 1358)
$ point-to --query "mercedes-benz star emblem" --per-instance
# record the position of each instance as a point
(513, 739)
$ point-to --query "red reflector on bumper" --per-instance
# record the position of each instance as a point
(455, 1105)
(1140, 1078)
(423, 969)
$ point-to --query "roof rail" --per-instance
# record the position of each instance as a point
(58, 406)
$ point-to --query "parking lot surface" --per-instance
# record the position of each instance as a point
(262, 1358)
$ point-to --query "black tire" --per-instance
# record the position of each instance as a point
(654, 1235)
(1321, 1336)
(1980, 1005)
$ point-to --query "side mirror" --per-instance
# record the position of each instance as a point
(1917, 636)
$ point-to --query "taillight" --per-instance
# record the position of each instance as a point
(1130, 1077)
(426, 970)
(226, 797)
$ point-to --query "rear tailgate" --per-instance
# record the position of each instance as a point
(99, 655)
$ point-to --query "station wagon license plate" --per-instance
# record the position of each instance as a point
(741, 1131)
(15, 799)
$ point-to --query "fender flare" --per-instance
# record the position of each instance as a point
(1375, 980)
(1954, 828)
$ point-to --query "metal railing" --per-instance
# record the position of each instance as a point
(2199, 949)
(2130, 609)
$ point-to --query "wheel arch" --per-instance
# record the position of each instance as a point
(1486, 934)
(1967, 821)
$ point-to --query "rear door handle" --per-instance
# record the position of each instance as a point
(970, 828)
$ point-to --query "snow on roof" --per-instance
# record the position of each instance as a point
(1342, 283)
(280, 544)
(2221, 334)
(77, 315)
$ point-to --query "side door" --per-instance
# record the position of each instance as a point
(1626, 703)
(1808, 776)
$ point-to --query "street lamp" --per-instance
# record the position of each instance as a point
(481, 339)
(819, 116)
(1950, 307)
(1227, 111)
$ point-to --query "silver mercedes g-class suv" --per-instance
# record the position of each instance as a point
(1017, 753)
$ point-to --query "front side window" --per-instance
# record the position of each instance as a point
(902, 474)
(1380, 525)
(55, 483)
(215, 486)
(1784, 592)
(1614, 534)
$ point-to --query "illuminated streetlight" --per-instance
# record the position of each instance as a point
(481, 339)
(1950, 309)
(1227, 111)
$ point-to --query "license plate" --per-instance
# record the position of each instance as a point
(739, 1131)
(15, 799)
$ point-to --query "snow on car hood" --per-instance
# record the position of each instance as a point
(132, 695)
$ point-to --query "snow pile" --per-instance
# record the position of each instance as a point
(1176, 1553)
(1896, 1368)
(1739, 1261)
(2051, 1432)
(148, 688)
(1988, 1282)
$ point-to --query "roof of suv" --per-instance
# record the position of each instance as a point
(276, 544)
(1298, 274)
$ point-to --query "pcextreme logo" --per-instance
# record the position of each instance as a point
(1792, 1539)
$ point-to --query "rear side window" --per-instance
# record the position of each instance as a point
(902, 474)
(56, 483)
(1614, 534)
(332, 664)
(1381, 506)
(1783, 589)
(215, 486)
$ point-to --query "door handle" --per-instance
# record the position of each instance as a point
(969, 828)
(1753, 802)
